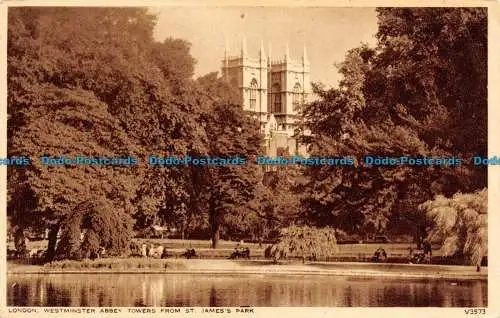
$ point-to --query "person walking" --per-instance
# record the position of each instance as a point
(427, 249)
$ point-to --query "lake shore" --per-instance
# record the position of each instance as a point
(232, 267)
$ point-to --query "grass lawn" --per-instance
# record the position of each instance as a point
(225, 248)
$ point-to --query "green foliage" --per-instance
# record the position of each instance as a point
(227, 191)
(406, 97)
(93, 82)
(84, 82)
(173, 58)
(460, 224)
(100, 225)
(275, 204)
(304, 242)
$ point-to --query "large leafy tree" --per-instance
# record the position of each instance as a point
(70, 123)
(275, 205)
(227, 190)
(83, 82)
(407, 96)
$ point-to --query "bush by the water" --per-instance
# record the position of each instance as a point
(460, 224)
(304, 242)
(91, 226)
(117, 264)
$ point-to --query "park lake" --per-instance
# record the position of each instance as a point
(255, 284)
(254, 290)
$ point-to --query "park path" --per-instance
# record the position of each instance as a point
(340, 269)
(237, 267)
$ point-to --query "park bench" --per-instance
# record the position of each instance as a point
(189, 253)
(245, 253)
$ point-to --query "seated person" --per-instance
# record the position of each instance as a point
(240, 253)
(415, 258)
(189, 253)
(379, 255)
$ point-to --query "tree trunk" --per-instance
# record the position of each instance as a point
(213, 219)
(215, 235)
(184, 226)
(51, 249)
(20, 241)
(416, 237)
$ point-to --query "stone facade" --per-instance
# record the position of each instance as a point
(271, 90)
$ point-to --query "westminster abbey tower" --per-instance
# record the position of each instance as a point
(272, 91)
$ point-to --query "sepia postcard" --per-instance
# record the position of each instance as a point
(252, 159)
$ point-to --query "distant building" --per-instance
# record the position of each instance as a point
(271, 90)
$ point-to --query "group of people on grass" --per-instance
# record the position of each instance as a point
(240, 252)
(159, 251)
(414, 257)
(421, 257)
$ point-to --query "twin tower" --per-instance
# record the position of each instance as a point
(272, 91)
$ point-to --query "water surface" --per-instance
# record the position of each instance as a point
(179, 290)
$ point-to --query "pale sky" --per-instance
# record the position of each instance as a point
(327, 32)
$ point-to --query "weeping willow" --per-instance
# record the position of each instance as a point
(460, 224)
(305, 242)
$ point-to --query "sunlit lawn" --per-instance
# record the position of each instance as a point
(203, 247)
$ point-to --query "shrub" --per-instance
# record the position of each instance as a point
(304, 242)
(101, 225)
(460, 224)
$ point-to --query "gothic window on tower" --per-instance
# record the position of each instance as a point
(277, 98)
(297, 90)
(253, 93)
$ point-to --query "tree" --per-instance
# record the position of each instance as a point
(460, 224)
(275, 205)
(66, 122)
(232, 187)
(173, 58)
(304, 241)
(403, 98)
(84, 82)
(232, 133)
(94, 225)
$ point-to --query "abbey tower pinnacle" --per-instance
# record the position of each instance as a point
(272, 91)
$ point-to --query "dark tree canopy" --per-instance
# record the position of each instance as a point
(94, 82)
(420, 92)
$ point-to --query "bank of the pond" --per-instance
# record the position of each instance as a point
(230, 267)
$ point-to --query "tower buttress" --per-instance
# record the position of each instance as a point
(287, 53)
(305, 60)
(243, 47)
(226, 60)
(270, 54)
(262, 53)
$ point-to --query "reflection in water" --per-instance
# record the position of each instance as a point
(177, 290)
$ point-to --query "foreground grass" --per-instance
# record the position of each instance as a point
(107, 264)
(203, 247)
(168, 243)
